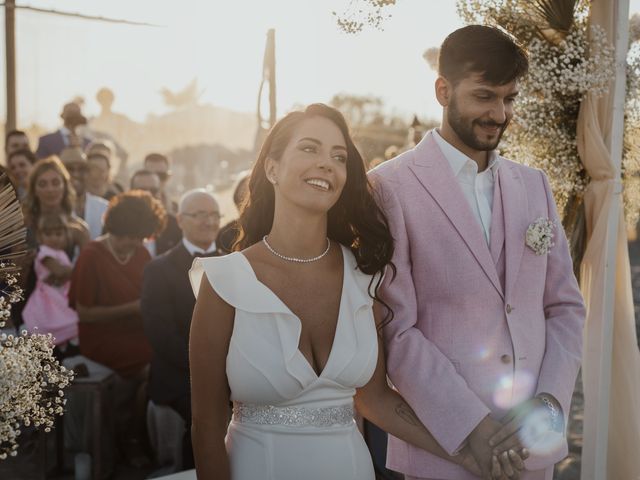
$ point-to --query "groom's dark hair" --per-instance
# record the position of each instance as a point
(489, 51)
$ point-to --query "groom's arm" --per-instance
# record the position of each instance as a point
(424, 376)
(564, 312)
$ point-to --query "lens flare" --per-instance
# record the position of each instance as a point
(536, 435)
(503, 392)
(524, 387)
(484, 353)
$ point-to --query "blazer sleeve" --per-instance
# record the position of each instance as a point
(423, 375)
(564, 313)
(158, 312)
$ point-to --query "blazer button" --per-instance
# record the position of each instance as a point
(505, 358)
(509, 309)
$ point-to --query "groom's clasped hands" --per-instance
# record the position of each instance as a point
(496, 450)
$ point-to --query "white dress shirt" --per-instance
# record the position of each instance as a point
(94, 210)
(64, 131)
(476, 186)
(193, 249)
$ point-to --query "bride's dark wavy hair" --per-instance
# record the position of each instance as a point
(356, 221)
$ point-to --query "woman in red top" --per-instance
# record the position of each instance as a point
(105, 291)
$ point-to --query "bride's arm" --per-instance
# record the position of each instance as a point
(211, 329)
(386, 408)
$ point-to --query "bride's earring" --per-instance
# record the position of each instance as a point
(273, 180)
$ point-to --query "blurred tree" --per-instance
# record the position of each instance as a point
(373, 130)
(358, 109)
(360, 13)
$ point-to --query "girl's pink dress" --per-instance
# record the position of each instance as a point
(47, 309)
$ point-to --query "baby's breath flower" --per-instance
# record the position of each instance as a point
(32, 380)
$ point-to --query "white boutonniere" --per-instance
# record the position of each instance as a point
(540, 236)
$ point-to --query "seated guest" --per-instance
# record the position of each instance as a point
(167, 305)
(171, 235)
(99, 181)
(15, 140)
(90, 208)
(105, 291)
(19, 164)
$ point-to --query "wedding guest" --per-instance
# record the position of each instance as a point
(150, 182)
(229, 232)
(487, 339)
(90, 208)
(160, 165)
(50, 191)
(19, 165)
(47, 308)
(105, 291)
(167, 306)
(99, 181)
(15, 140)
(67, 135)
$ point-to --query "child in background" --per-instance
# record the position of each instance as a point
(47, 309)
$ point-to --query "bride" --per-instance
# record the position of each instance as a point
(285, 328)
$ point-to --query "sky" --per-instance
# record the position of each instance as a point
(221, 43)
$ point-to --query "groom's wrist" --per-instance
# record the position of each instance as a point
(554, 410)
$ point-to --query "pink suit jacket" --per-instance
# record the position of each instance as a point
(478, 328)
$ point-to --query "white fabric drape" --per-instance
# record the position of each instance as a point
(603, 196)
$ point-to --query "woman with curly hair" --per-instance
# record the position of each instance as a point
(285, 328)
(105, 291)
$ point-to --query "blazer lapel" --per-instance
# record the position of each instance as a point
(516, 221)
(434, 173)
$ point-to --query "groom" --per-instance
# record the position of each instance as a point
(486, 340)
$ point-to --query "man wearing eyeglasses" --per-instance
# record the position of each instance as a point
(150, 182)
(167, 305)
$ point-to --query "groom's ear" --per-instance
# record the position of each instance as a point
(444, 90)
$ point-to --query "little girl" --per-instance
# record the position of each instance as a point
(47, 309)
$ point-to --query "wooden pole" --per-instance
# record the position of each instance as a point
(600, 345)
(271, 45)
(10, 48)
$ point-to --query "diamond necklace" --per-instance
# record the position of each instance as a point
(295, 259)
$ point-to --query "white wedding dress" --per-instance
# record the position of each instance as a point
(288, 422)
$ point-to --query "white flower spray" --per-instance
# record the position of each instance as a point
(31, 379)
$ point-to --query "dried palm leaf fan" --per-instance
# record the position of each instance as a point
(12, 230)
(556, 18)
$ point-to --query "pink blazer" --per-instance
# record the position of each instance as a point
(478, 328)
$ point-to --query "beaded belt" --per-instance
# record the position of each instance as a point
(293, 416)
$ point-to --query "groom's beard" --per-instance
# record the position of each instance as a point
(463, 127)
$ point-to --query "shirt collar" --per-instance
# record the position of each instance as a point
(457, 160)
(65, 131)
(192, 249)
